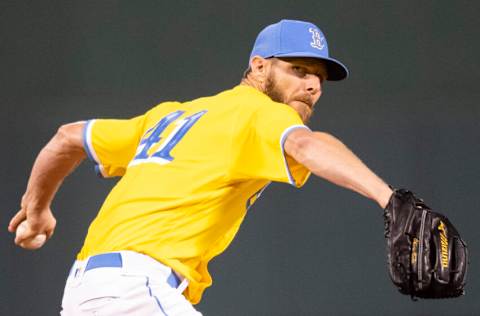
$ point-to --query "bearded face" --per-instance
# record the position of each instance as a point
(282, 84)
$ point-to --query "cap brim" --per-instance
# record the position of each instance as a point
(336, 70)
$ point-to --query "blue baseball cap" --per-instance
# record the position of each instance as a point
(292, 38)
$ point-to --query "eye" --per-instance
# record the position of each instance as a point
(300, 71)
(321, 77)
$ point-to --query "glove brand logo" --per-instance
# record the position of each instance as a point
(444, 244)
(414, 251)
(317, 39)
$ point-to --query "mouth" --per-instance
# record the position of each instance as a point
(306, 100)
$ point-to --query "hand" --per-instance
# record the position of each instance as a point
(37, 222)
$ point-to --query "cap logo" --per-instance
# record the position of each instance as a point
(318, 41)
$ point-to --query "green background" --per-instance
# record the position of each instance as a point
(409, 110)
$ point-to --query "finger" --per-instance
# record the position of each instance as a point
(24, 232)
(25, 245)
(24, 236)
(16, 220)
(29, 238)
(30, 244)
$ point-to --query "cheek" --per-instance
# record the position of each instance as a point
(289, 91)
(286, 86)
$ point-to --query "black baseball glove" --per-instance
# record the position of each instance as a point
(426, 256)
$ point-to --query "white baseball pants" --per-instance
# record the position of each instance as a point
(124, 283)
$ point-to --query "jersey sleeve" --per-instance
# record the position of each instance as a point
(258, 151)
(112, 143)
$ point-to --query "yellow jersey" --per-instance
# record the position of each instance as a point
(189, 173)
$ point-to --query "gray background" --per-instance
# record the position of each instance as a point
(409, 110)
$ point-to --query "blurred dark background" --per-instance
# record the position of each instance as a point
(409, 110)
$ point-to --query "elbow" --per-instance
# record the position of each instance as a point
(69, 138)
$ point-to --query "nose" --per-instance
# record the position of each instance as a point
(314, 85)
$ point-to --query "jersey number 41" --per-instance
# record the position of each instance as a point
(154, 135)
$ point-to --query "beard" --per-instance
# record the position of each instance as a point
(277, 95)
(272, 91)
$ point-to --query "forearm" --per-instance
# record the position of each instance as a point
(327, 157)
(54, 162)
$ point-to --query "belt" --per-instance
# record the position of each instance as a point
(114, 260)
(105, 260)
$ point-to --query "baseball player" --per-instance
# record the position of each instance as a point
(189, 172)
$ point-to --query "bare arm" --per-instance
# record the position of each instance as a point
(327, 157)
(56, 160)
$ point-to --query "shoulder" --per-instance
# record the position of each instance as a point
(164, 106)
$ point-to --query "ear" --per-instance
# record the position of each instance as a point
(259, 66)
